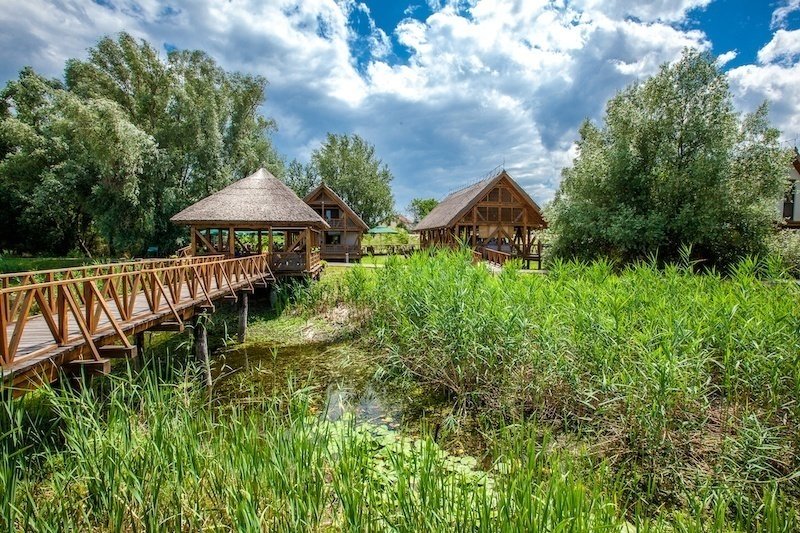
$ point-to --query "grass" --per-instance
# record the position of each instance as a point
(684, 384)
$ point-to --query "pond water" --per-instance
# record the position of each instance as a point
(341, 372)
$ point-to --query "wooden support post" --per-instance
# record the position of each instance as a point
(139, 342)
(244, 303)
(201, 346)
(231, 242)
(138, 362)
(271, 249)
(308, 249)
(193, 249)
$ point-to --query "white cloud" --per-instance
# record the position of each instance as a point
(785, 45)
(486, 80)
(645, 10)
(725, 58)
(780, 14)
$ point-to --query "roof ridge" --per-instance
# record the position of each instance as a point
(496, 171)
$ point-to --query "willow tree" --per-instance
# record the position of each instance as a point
(126, 141)
(673, 165)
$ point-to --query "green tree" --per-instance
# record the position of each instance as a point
(130, 138)
(300, 178)
(420, 207)
(348, 165)
(673, 165)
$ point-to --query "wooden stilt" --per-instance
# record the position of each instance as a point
(201, 346)
(244, 303)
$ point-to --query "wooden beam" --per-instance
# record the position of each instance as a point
(115, 351)
(168, 326)
(88, 367)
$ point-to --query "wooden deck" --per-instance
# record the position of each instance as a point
(83, 316)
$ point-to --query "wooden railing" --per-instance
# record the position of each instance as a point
(107, 302)
(288, 261)
(336, 223)
(496, 256)
(341, 248)
(40, 276)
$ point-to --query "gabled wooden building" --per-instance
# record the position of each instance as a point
(258, 214)
(343, 240)
(494, 217)
(789, 206)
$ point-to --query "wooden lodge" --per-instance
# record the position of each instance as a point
(257, 215)
(789, 205)
(495, 217)
(342, 242)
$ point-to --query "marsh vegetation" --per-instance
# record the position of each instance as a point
(431, 395)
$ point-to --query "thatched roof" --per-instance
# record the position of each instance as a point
(452, 208)
(258, 199)
(322, 188)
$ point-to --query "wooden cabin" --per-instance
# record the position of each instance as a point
(258, 214)
(789, 206)
(342, 242)
(495, 217)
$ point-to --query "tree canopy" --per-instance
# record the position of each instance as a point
(672, 166)
(101, 161)
(420, 207)
(348, 165)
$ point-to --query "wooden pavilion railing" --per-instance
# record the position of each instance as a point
(496, 256)
(105, 302)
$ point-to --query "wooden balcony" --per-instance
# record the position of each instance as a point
(336, 223)
(340, 251)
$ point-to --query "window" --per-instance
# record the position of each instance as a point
(788, 201)
(331, 213)
(333, 238)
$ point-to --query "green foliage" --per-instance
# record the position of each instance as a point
(672, 165)
(786, 246)
(300, 178)
(684, 382)
(420, 207)
(132, 138)
(348, 165)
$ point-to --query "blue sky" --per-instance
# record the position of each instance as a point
(445, 89)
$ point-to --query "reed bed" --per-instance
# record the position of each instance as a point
(148, 452)
(685, 384)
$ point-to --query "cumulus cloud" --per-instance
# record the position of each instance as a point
(644, 10)
(785, 46)
(776, 79)
(726, 57)
(485, 80)
(780, 14)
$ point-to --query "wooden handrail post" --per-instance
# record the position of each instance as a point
(4, 357)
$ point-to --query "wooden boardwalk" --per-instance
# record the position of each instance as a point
(82, 317)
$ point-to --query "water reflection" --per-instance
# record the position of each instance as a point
(341, 371)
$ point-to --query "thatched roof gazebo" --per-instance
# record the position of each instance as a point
(238, 219)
